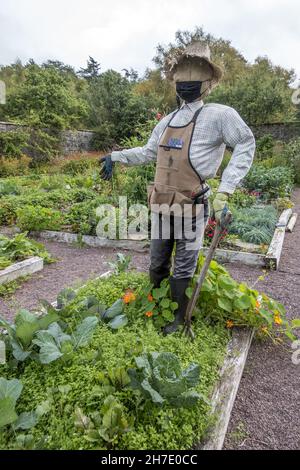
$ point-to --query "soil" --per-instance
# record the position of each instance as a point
(266, 413)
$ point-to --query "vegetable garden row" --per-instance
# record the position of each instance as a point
(94, 371)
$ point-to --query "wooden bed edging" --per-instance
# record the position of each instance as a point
(271, 259)
(66, 237)
(22, 268)
(225, 391)
(274, 252)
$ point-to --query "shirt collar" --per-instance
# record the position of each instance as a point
(193, 106)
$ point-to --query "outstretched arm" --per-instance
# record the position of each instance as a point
(141, 155)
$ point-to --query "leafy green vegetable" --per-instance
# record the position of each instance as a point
(159, 377)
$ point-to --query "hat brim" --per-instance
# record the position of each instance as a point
(217, 70)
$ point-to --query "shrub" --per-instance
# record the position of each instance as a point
(13, 144)
(14, 166)
(75, 167)
(291, 154)
(273, 182)
(38, 218)
(265, 146)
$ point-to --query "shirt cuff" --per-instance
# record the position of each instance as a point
(226, 188)
(115, 156)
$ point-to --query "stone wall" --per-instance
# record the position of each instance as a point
(82, 140)
(280, 131)
(71, 141)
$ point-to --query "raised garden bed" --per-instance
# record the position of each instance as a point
(270, 259)
(20, 269)
(71, 382)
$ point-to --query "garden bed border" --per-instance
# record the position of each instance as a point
(226, 389)
(271, 259)
(20, 269)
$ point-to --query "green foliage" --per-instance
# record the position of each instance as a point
(265, 146)
(38, 218)
(109, 425)
(291, 154)
(272, 183)
(255, 224)
(20, 247)
(75, 167)
(13, 144)
(148, 426)
(45, 99)
(260, 93)
(10, 391)
(159, 377)
(224, 299)
(121, 264)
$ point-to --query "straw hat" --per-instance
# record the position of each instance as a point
(193, 64)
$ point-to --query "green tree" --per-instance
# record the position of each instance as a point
(91, 71)
(261, 94)
(45, 99)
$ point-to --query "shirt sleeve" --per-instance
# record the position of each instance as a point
(237, 135)
(141, 155)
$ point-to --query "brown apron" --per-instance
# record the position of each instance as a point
(176, 181)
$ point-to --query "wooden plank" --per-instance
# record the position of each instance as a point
(23, 268)
(284, 218)
(274, 252)
(292, 222)
(230, 256)
(226, 389)
(65, 237)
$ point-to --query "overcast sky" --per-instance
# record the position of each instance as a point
(124, 33)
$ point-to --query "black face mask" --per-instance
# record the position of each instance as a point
(188, 91)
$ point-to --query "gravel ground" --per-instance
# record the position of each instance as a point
(266, 413)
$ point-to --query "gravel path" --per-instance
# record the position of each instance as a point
(266, 413)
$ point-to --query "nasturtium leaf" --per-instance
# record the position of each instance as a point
(296, 323)
(243, 302)
(189, 292)
(165, 303)
(225, 304)
(167, 315)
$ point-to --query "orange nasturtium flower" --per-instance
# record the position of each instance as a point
(149, 314)
(229, 324)
(277, 319)
(150, 297)
(128, 297)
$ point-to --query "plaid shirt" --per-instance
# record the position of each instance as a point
(217, 126)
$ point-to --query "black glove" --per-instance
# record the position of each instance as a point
(107, 167)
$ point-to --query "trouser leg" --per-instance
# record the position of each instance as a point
(161, 253)
(188, 246)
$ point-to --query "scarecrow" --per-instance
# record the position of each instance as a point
(188, 147)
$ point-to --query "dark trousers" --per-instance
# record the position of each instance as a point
(186, 249)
